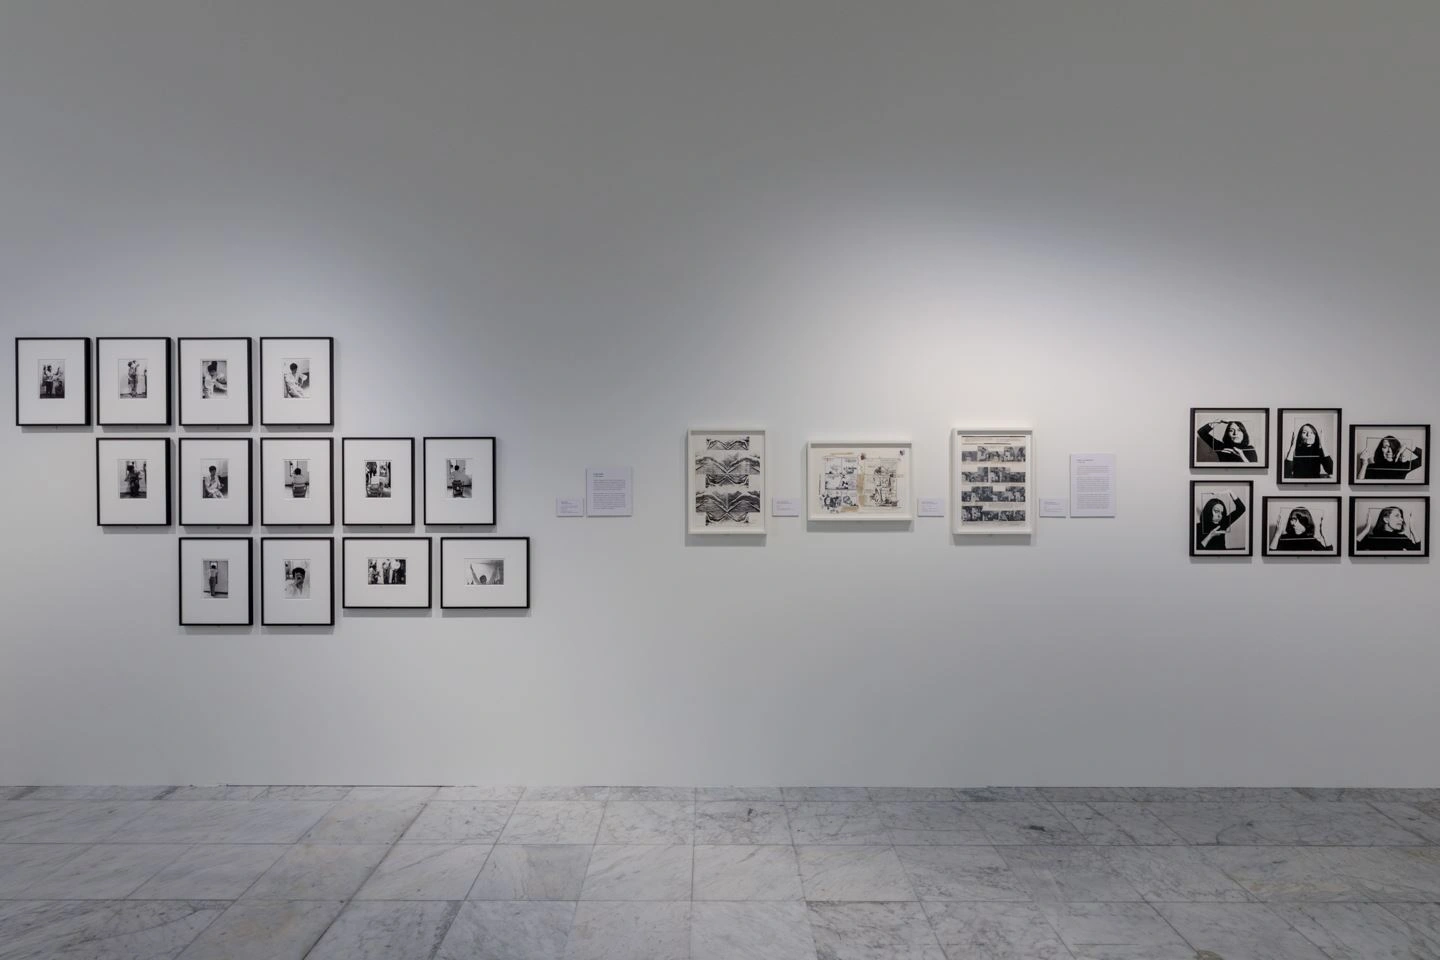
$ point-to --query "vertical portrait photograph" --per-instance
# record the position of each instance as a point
(1307, 527)
(1221, 518)
(1390, 454)
(296, 581)
(133, 379)
(1229, 437)
(1308, 445)
(297, 384)
(1390, 526)
(215, 481)
(214, 381)
(215, 582)
(52, 381)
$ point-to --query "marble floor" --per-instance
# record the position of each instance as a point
(665, 873)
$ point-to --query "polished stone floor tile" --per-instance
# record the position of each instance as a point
(669, 794)
(721, 794)
(1165, 874)
(1423, 921)
(1238, 931)
(732, 931)
(1024, 823)
(306, 793)
(223, 792)
(426, 871)
(67, 821)
(994, 931)
(999, 794)
(265, 930)
(546, 871)
(1398, 874)
(211, 872)
(393, 795)
(318, 872)
(853, 873)
(961, 873)
(1117, 824)
(930, 822)
(747, 872)
(22, 865)
(873, 931)
(15, 793)
(554, 821)
(741, 821)
(1087, 794)
(639, 872)
(647, 821)
(380, 930)
(1068, 875)
(482, 794)
(105, 872)
(98, 793)
(825, 794)
(1425, 826)
(567, 793)
(364, 821)
(1307, 822)
(1354, 931)
(509, 931)
(913, 794)
(845, 822)
(224, 821)
(1116, 931)
(630, 931)
(1291, 874)
(452, 822)
(102, 930)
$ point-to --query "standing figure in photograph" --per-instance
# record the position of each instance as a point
(212, 580)
(1388, 530)
(1230, 443)
(1301, 534)
(1390, 460)
(1306, 457)
(1216, 518)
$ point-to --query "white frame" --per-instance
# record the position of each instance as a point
(237, 607)
(235, 510)
(396, 510)
(357, 593)
(235, 408)
(318, 609)
(440, 508)
(110, 509)
(961, 527)
(277, 507)
(317, 408)
(695, 519)
(816, 449)
(112, 409)
(512, 594)
(71, 410)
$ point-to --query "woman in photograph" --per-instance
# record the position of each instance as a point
(212, 585)
(1306, 458)
(213, 383)
(213, 488)
(1390, 460)
(1230, 443)
(1216, 518)
(1300, 534)
(1389, 531)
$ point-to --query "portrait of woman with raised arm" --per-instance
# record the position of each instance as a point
(1301, 533)
(1387, 529)
(1306, 456)
(1228, 441)
(1213, 524)
(1389, 460)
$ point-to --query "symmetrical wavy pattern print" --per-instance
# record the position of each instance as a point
(741, 444)
(733, 507)
(735, 470)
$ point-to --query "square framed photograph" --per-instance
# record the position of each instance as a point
(484, 573)
(214, 381)
(1221, 518)
(1308, 446)
(386, 573)
(216, 587)
(1389, 454)
(992, 473)
(1304, 527)
(378, 481)
(132, 482)
(859, 481)
(216, 477)
(297, 481)
(459, 480)
(1390, 526)
(133, 381)
(1224, 438)
(52, 381)
(297, 381)
(297, 581)
(727, 481)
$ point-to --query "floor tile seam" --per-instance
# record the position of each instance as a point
(1372, 805)
(488, 854)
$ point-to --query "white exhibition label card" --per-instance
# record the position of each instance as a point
(1092, 484)
(1055, 507)
(931, 507)
(784, 506)
(608, 491)
(569, 506)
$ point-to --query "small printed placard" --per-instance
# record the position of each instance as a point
(784, 506)
(608, 491)
(569, 506)
(1054, 508)
(931, 507)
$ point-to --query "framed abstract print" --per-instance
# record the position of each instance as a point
(727, 481)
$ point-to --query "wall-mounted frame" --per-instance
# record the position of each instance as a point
(132, 381)
(52, 381)
(1230, 438)
(992, 475)
(297, 481)
(1389, 454)
(297, 381)
(726, 492)
(484, 573)
(459, 480)
(1302, 527)
(1222, 518)
(297, 581)
(213, 381)
(1308, 446)
(216, 480)
(377, 481)
(386, 573)
(859, 481)
(216, 582)
(132, 481)
(1390, 526)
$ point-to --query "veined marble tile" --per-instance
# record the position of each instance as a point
(67, 821)
(961, 873)
(1112, 931)
(13, 793)
(225, 792)
(1354, 931)
(845, 822)
(547, 871)
(637, 872)
(722, 794)
(729, 931)
(1170, 794)
(567, 793)
(1399, 874)
(912, 794)
(1307, 822)
(223, 821)
(264, 930)
(394, 795)
(994, 931)
(104, 872)
(425, 871)
(211, 872)
(743, 821)
(509, 931)
(22, 865)
(858, 873)
(1425, 827)
(1423, 919)
(648, 821)
(999, 794)
(380, 930)
(1238, 930)
(1108, 824)
(102, 930)
(1068, 875)
(483, 794)
(1169, 873)
(666, 794)
(919, 823)
(1023, 823)
(630, 931)
(554, 821)
(747, 872)
(824, 794)
(361, 821)
(873, 931)
(98, 793)
(1375, 794)
(1291, 874)
(306, 793)
(318, 872)
(450, 822)
(1087, 794)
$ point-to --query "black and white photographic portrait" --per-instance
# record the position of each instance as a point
(387, 571)
(1384, 526)
(297, 479)
(297, 579)
(132, 482)
(134, 479)
(726, 486)
(1308, 445)
(1391, 454)
(133, 379)
(990, 477)
(216, 588)
(1229, 437)
(216, 578)
(1221, 518)
(458, 479)
(52, 381)
(295, 381)
(215, 479)
(860, 481)
(377, 479)
(1302, 527)
(214, 381)
(485, 573)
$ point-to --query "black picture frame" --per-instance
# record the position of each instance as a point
(329, 520)
(1261, 448)
(1336, 547)
(1282, 448)
(494, 476)
(345, 603)
(1360, 436)
(185, 421)
(265, 620)
(249, 446)
(85, 406)
(100, 443)
(1358, 503)
(345, 484)
(471, 606)
(1249, 516)
(330, 376)
(249, 581)
(100, 404)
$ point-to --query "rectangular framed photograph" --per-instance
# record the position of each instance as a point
(215, 482)
(386, 573)
(297, 381)
(1389, 454)
(1221, 518)
(459, 480)
(1223, 438)
(52, 381)
(297, 581)
(1308, 446)
(214, 381)
(378, 480)
(133, 381)
(1305, 527)
(992, 474)
(727, 481)
(1390, 526)
(132, 482)
(297, 481)
(859, 481)
(216, 587)
(482, 573)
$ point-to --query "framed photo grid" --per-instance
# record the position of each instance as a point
(216, 477)
(132, 481)
(378, 480)
(1302, 527)
(992, 474)
(386, 573)
(52, 381)
(297, 381)
(133, 381)
(727, 481)
(1230, 438)
(297, 481)
(1307, 446)
(215, 582)
(1390, 526)
(1222, 518)
(459, 480)
(484, 573)
(214, 381)
(297, 581)
(859, 481)
(1389, 454)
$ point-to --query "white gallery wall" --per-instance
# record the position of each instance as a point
(585, 227)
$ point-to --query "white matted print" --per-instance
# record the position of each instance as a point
(297, 581)
(215, 478)
(297, 380)
(386, 572)
(215, 582)
(727, 481)
(859, 481)
(1388, 453)
(459, 480)
(1397, 526)
(1308, 445)
(484, 572)
(52, 381)
(297, 478)
(214, 381)
(1307, 527)
(133, 380)
(1221, 518)
(991, 479)
(1229, 437)
(378, 476)
(132, 482)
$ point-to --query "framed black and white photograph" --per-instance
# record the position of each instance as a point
(133, 381)
(1389, 454)
(1221, 518)
(215, 480)
(1304, 527)
(378, 481)
(726, 492)
(132, 482)
(52, 381)
(214, 381)
(859, 481)
(297, 381)
(216, 587)
(297, 481)
(1397, 526)
(297, 581)
(1307, 446)
(383, 573)
(482, 573)
(459, 480)
(992, 473)
(1230, 438)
